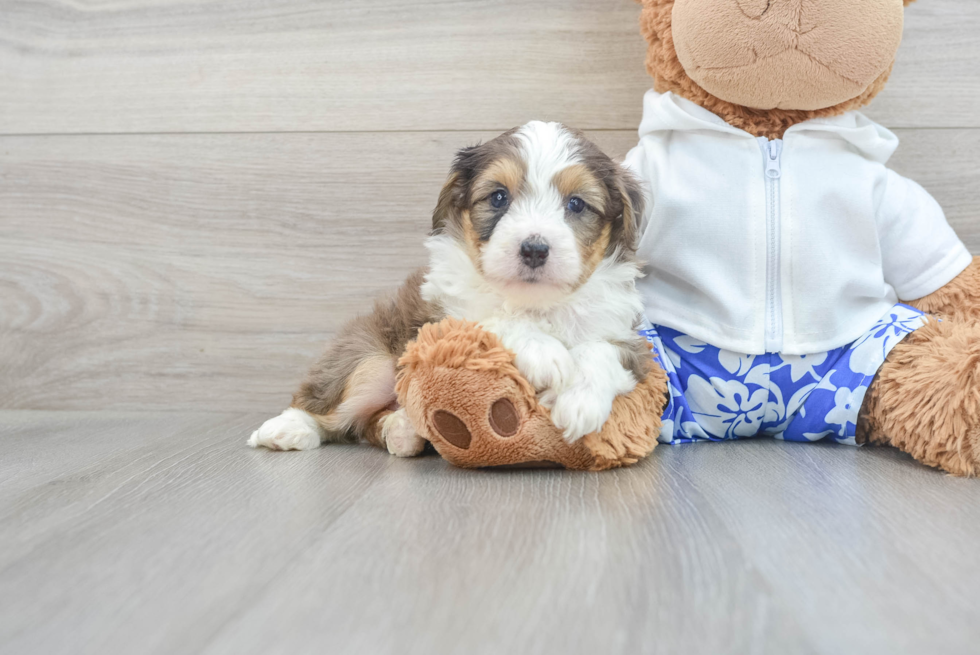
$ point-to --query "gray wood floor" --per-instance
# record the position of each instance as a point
(195, 195)
(161, 533)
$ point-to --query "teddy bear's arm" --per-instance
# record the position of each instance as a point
(958, 300)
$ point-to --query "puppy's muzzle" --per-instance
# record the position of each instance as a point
(534, 252)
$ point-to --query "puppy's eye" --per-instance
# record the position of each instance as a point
(498, 199)
(576, 205)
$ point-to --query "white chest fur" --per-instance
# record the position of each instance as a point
(565, 347)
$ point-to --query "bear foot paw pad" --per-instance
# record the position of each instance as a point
(504, 420)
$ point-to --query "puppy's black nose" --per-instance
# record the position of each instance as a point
(534, 252)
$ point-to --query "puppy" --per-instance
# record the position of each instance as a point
(534, 237)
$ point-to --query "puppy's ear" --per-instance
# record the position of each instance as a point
(452, 198)
(631, 195)
(448, 208)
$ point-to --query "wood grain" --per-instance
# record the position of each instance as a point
(287, 65)
(163, 533)
(195, 195)
(935, 82)
(301, 65)
(193, 271)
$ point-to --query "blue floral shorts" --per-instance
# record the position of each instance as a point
(718, 394)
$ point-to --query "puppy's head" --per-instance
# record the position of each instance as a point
(537, 209)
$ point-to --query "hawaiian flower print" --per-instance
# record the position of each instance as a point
(801, 366)
(735, 363)
(868, 352)
(726, 407)
(717, 394)
(847, 403)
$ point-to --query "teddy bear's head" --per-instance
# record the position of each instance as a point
(764, 65)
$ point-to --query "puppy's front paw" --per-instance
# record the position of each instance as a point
(545, 363)
(400, 436)
(294, 429)
(578, 412)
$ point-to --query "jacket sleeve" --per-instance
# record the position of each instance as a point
(920, 251)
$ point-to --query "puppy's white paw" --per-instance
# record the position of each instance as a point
(548, 397)
(400, 436)
(545, 363)
(579, 411)
(294, 429)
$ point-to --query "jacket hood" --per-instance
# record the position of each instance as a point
(666, 112)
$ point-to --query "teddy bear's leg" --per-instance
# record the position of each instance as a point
(479, 418)
(925, 400)
(959, 300)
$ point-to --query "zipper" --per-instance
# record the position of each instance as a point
(772, 152)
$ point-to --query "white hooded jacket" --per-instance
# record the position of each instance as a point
(794, 246)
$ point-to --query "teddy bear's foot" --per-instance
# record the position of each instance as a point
(481, 419)
(926, 398)
(461, 389)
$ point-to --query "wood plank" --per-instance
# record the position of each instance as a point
(220, 65)
(180, 509)
(829, 527)
(935, 82)
(190, 247)
(188, 271)
(184, 540)
(300, 65)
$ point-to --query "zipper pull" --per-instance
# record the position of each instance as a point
(774, 169)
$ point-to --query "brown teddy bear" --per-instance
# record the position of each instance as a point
(773, 68)
(796, 287)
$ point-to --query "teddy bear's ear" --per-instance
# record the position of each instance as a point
(908, 2)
